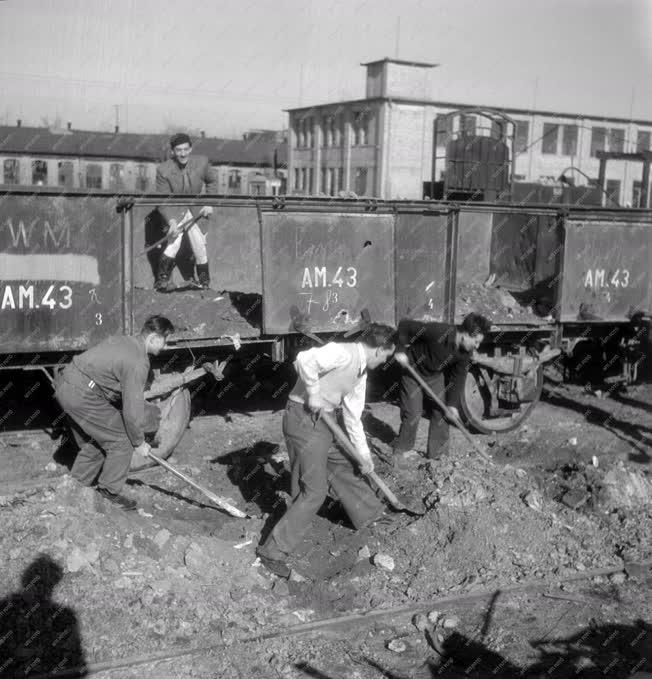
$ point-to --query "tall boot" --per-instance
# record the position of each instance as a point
(204, 276)
(165, 267)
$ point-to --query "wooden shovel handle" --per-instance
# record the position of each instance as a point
(449, 416)
(216, 499)
(348, 447)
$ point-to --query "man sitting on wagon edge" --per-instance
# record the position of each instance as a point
(441, 354)
(184, 175)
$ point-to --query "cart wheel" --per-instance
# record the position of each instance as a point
(175, 416)
(476, 401)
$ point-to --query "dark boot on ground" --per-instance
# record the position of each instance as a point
(204, 276)
(165, 267)
(274, 561)
(117, 499)
(192, 282)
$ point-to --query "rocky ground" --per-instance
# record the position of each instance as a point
(567, 494)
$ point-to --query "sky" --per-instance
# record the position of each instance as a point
(226, 67)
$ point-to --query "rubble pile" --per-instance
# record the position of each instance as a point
(492, 526)
(498, 304)
(177, 573)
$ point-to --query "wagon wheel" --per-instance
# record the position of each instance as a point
(476, 402)
(175, 416)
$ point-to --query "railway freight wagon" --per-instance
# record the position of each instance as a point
(77, 267)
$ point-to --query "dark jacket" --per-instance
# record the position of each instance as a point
(119, 366)
(173, 180)
(431, 349)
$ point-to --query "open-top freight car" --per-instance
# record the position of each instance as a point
(74, 268)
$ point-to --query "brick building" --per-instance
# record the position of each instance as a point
(78, 159)
(382, 145)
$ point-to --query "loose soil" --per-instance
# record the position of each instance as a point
(568, 493)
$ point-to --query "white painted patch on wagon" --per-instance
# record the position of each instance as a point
(69, 268)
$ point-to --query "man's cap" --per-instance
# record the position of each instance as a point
(179, 138)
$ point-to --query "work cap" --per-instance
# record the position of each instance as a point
(179, 138)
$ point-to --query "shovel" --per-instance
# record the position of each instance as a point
(215, 499)
(343, 439)
(184, 227)
(448, 414)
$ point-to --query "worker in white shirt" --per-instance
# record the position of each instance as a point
(329, 377)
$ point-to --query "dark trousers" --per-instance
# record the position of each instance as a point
(317, 468)
(411, 403)
(105, 450)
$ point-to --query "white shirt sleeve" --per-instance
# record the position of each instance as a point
(314, 362)
(352, 408)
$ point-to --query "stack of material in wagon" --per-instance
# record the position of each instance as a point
(501, 305)
(203, 314)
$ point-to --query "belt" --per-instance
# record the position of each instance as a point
(85, 382)
(298, 401)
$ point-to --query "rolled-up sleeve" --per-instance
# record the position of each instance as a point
(352, 409)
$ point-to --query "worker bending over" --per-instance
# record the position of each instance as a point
(102, 391)
(329, 377)
(441, 354)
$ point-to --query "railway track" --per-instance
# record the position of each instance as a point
(338, 626)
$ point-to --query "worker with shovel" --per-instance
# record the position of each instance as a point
(330, 376)
(102, 392)
(186, 175)
(440, 354)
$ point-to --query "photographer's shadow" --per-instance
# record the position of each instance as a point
(39, 636)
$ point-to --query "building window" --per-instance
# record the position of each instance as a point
(142, 181)
(310, 129)
(257, 189)
(93, 176)
(636, 193)
(550, 137)
(467, 125)
(39, 172)
(522, 135)
(617, 140)
(65, 173)
(235, 180)
(337, 131)
(332, 135)
(569, 140)
(297, 179)
(10, 171)
(305, 137)
(613, 191)
(360, 128)
(116, 176)
(598, 140)
(360, 181)
(304, 180)
(340, 179)
(642, 141)
(332, 181)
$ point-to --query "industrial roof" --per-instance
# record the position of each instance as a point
(257, 150)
